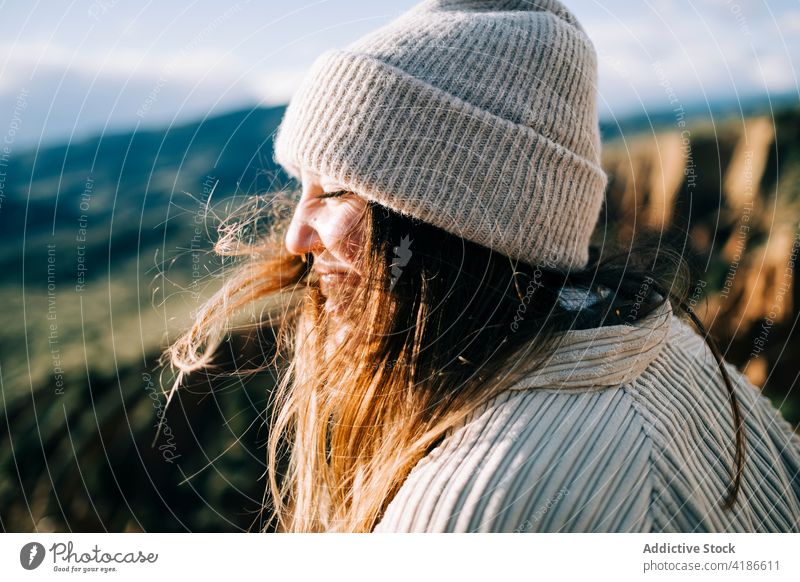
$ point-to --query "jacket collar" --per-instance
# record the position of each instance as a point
(603, 356)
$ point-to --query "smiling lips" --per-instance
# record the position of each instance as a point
(330, 280)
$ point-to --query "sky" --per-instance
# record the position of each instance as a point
(73, 69)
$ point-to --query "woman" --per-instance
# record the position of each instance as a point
(458, 358)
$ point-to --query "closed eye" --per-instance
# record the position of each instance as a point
(335, 194)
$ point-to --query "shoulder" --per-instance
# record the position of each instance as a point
(688, 414)
(533, 461)
(651, 454)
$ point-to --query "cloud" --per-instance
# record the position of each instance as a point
(71, 92)
(713, 49)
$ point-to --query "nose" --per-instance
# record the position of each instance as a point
(301, 236)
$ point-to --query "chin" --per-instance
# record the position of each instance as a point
(335, 299)
(334, 307)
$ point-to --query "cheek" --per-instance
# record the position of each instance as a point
(342, 232)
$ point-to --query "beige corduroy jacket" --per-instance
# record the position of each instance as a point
(626, 429)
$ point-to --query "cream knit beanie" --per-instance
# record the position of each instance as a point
(476, 116)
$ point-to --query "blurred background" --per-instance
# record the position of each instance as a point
(127, 128)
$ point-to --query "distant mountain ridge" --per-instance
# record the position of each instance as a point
(135, 183)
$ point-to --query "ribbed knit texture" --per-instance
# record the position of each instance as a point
(571, 449)
(478, 117)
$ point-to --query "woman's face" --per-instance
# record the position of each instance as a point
(330, 229)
